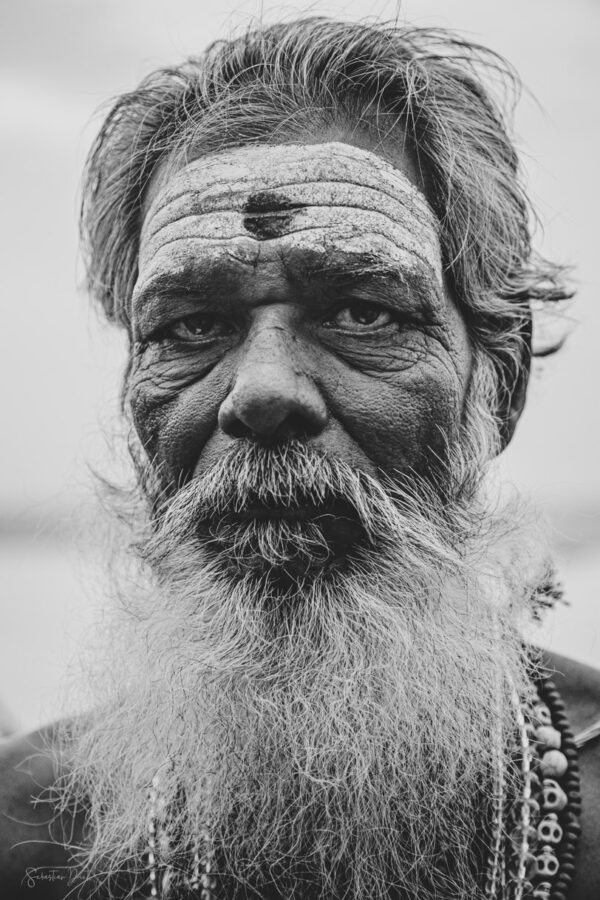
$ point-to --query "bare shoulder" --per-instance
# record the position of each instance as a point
(579, 686)
(33, 859)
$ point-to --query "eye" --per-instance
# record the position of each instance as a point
(197, 327)
(362, 315)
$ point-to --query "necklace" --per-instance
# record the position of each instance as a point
(533, 836)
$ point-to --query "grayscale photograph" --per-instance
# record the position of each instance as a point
(300, 483)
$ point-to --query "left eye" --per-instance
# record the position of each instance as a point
(198, 326)
(362, 315)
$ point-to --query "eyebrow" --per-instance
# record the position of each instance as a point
(190, 282)
(302, 267)
(368, 268)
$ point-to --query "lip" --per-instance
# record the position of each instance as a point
(303, 509)
(288, 514)
(337, 520)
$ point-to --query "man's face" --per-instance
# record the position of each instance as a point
(291, 291)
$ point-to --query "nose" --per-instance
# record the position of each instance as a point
(273, 397)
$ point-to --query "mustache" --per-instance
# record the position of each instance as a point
(252, 481)
(235, 512)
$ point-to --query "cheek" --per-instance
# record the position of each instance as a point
(175, 424)
(402, 424)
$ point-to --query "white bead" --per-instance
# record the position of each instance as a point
(549, 738)
(554, 764)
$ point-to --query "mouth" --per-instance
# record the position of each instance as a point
(301, 512)
(297, 537)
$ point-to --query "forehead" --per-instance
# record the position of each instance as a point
(324, 199)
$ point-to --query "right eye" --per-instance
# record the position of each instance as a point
(197, 327)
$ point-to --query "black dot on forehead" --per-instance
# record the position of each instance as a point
(268, 215)
(269, 202)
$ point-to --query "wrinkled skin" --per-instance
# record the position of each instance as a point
(295, 291)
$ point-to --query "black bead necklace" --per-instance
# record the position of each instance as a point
(570, 783)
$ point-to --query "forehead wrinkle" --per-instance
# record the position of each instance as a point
(316, 261)
(187, 271)
(298, 211)
(407, 236)
(195, 202)
(310, 158)
(209, 199)
(403, 256)
(259, 165)
(297, 225)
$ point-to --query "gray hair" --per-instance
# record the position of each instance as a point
(418, 86)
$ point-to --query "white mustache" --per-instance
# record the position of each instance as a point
(250, 481)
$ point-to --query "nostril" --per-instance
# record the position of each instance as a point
(294, 425)
(267, 405)
(237, 429)
(297, 425)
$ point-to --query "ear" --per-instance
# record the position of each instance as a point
(512, 399)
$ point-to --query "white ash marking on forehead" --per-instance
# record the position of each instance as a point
(225, 180)
(288, 199)
(321, 195)
(345, 222)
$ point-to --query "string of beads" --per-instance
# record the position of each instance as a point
(537, 859)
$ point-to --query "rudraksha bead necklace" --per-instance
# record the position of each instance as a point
(534, 839)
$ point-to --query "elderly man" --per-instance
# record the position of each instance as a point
(316, 685)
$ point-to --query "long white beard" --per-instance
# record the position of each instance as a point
(338, 738)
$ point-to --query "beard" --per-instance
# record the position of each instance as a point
(325, 699)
